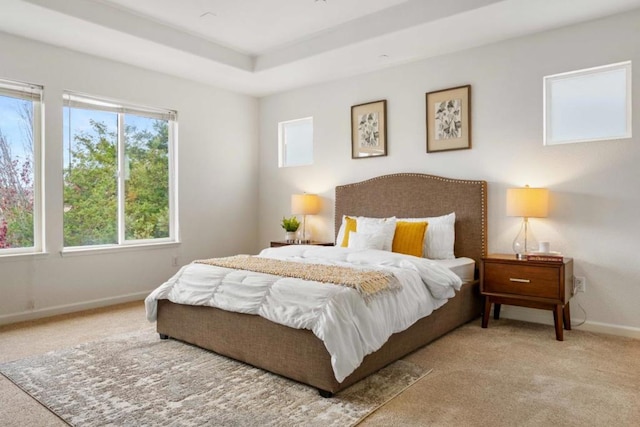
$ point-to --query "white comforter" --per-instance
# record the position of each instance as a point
(349, 327)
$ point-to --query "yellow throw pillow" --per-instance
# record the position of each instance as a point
(350, 226)
(409, 238)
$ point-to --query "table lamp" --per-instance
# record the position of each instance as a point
(305, 204)
(526, 202)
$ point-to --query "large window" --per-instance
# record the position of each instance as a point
(20, 140)
(296, 142)
(118, 173)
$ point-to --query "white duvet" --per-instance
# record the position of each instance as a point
(349, 327)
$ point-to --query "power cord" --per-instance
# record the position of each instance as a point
(583, 320)
(581, 307)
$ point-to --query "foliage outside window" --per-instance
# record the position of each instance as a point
(118, 179)
(20, 138)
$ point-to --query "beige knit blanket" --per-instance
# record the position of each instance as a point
(366, 282)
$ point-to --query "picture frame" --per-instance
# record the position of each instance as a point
(369, 129)
(448, 119)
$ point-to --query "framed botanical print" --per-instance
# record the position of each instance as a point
(369, 130)
(449, 119)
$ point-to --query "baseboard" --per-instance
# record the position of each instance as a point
(607, 328)
(71, 308)
(545, 317)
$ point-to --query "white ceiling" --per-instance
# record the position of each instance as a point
(261, 47)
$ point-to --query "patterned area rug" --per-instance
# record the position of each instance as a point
(140, 380)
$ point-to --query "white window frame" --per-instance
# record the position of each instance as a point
(78, 100)
(282, 142)
(34, 93)
(548, 102)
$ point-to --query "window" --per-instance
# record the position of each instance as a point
(588, 105)
(20, 144)
(118, 173)
(296, 142)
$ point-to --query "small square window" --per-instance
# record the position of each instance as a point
(295, 142)
(588, 105)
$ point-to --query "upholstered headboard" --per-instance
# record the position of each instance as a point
(413, 195)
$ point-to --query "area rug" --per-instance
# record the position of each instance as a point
(140, 380)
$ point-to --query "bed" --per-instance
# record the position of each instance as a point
(297, 353)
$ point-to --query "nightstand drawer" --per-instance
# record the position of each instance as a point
(526, 280)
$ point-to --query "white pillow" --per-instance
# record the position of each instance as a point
(440, 236)
(385, 226)
(360, 240)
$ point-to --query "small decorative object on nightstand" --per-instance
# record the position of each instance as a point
(536, 284)
(287, 243)
(290, 226)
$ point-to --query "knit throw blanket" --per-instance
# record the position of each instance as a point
(366, 282)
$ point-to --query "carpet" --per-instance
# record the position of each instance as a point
(137, 379)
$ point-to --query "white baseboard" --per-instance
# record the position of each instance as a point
(70, 308)
(545, 317)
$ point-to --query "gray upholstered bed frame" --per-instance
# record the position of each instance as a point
(300, 355)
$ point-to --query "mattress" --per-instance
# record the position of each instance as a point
(463, 267)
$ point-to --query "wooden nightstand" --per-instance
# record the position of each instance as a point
(536, 284)
(287, 243)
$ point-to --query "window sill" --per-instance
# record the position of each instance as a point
(99, 250)
(22, 256)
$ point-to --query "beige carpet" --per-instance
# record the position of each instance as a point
(137, 379)
(511, 374)
(517, 374)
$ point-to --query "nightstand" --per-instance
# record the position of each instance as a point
(287, 243)
(535, 284)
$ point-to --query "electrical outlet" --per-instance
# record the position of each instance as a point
(579, 284)
(174, 261)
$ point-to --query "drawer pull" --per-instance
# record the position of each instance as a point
(520, 280)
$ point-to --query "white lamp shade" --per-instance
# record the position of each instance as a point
(305, 204)
(528, 202)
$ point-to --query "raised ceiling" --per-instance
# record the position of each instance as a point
(261, 47)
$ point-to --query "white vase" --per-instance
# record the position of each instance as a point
(290, 236)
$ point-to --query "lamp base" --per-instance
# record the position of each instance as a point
(524, 241)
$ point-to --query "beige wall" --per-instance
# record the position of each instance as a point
(217, 189)
(594, 186)
(229, 174)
